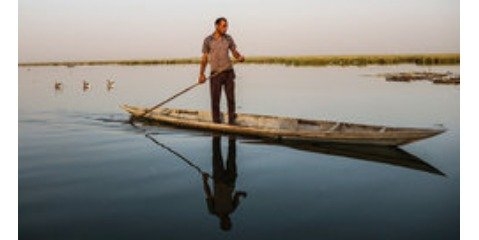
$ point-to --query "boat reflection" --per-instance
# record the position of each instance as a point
(378, 154)
(222, 198)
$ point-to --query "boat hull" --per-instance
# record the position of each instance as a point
(287, 129)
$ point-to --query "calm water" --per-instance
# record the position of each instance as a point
(86, 174)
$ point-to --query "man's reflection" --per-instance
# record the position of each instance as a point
(224, 199)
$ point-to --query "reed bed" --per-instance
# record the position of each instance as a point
(335, 60)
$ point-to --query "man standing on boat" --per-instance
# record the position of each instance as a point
(215, 50)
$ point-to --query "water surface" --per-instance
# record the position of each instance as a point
(84, 173)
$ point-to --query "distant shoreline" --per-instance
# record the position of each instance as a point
(330, 60)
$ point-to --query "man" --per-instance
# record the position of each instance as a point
(215, 50)
(224, 200)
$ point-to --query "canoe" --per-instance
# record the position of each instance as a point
(285, 128)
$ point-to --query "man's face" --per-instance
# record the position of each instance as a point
(222, 27)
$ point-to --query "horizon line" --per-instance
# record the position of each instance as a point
(339, 59)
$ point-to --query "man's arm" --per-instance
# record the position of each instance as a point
(232, 47)
(236, 198)
(209, 198)
(203, 62)
(237, 55)
(206, 186)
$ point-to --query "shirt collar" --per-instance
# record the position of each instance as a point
(221, 36)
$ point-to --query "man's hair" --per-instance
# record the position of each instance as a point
(219, 20)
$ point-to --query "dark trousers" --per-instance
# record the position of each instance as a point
(221, 174)
(225, 79)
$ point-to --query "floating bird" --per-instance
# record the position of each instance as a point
(86, 85)
(109, 84)
(58, 85)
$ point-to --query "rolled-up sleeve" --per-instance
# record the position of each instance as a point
(231, 42)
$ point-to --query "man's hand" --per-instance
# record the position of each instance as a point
(205, 176)
(240, 58)
(202, 78)
(242, 194)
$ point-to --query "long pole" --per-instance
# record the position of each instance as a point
(186, 160)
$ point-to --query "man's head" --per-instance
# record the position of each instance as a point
(225, 223)
(221, 25)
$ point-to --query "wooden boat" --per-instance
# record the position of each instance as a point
(287, 129)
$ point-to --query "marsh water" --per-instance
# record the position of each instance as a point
(86, 173)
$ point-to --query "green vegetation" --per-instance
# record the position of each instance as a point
(360, 60)
(339, 60)
(113, 62)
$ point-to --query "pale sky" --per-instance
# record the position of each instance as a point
(60, 30)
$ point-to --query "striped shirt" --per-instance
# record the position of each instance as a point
(217, 50)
